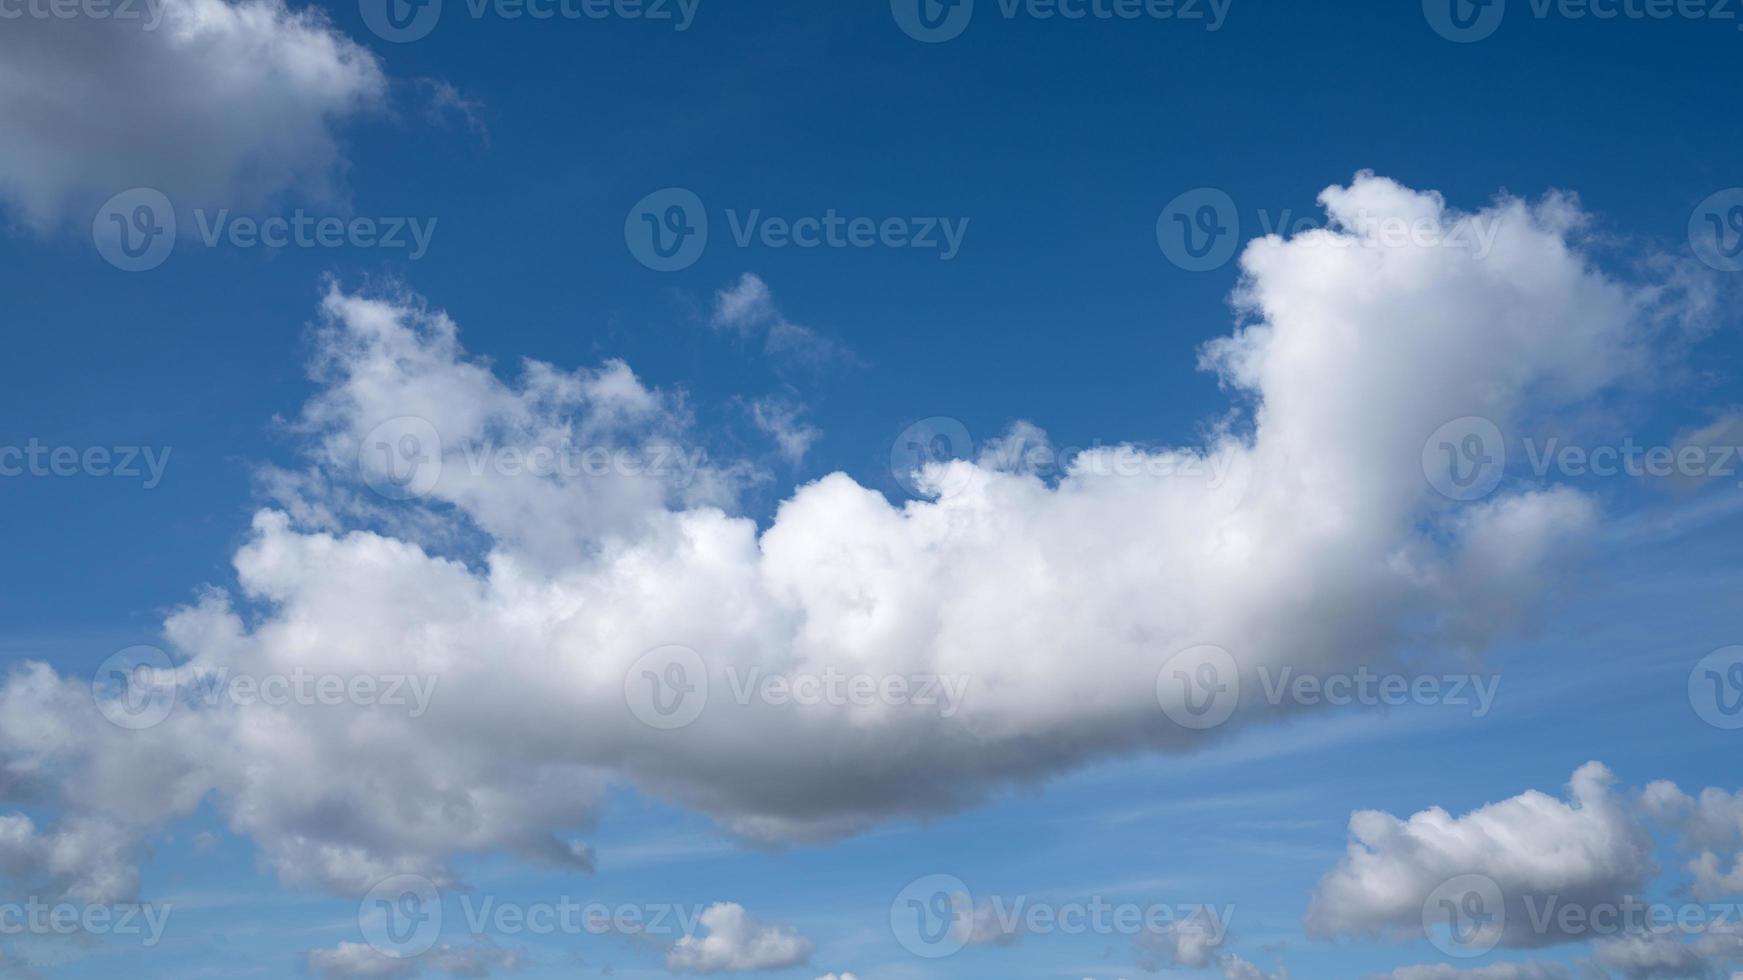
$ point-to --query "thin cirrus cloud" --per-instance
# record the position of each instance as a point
(213, 102)
(528, 598)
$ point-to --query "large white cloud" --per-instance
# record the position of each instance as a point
(530, 594)
(215, 103)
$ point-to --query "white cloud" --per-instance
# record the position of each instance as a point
(780, 419)
(1539, 850)
(221, 104)
(529, 596)
(748, 309)
(1712, 825)
(735, 941)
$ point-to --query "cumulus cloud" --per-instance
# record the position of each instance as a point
(524, 539)
(735, 942)
(1710, 825)
(1541, 851)
(213, 102)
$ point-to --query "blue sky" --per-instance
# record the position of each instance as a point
(1558, 177)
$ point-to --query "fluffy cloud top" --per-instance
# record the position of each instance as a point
(735, 941)
(530, 596)
(215, 103)
(1587, 851)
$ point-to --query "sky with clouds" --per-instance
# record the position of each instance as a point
(875, 491)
